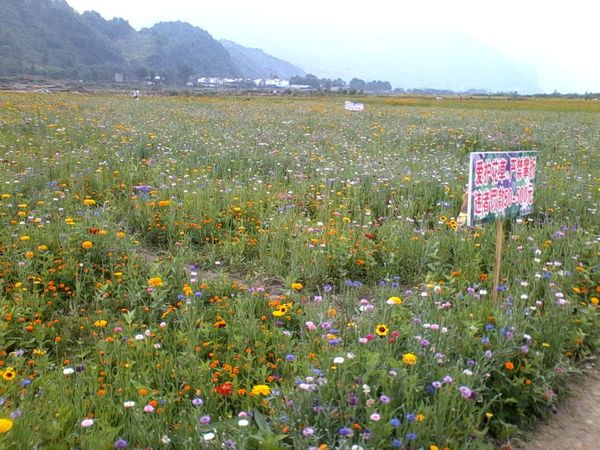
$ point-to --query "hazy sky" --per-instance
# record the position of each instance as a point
(560, 39)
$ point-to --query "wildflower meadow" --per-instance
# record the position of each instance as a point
(268, 273)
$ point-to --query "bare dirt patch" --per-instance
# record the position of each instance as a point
(576, 424)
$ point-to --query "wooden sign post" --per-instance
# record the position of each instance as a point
(501, 186)
(498, 256)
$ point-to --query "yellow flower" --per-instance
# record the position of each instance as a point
(9, 374)
(297, 286)
(394, 301)
(89, 202)
(24, 238)
(155, 282)
(187, 290)
(434, 447)
(283, 309)
(100, 323)
(381, 330)
(87, 245)
(120, 234)
(420, 417)
(42, 248)
(409, 358)
(594, 300)
(5, 425)
(260, 389)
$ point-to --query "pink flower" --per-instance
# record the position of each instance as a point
(86, 423)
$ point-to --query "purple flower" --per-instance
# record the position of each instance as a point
(465, 392)
(411, 417)
(197, 401)
(436, 384)
(308, 431)
(120, 443)
(384, 399)
(204, 420)
(448, 379)
(345, 431)
(395, 422)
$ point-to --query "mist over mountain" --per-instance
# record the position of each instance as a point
(255, 63)
(49, 38)
(411, 59)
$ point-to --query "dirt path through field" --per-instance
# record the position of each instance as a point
(576, 425)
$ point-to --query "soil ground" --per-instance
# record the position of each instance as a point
(576, 424)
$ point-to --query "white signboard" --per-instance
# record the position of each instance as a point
(350, 106)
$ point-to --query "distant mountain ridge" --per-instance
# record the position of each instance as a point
(255, 63)
(49, 38)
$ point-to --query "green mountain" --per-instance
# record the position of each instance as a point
(49, 38)
(254, 63)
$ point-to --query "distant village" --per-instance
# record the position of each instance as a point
(308, 83)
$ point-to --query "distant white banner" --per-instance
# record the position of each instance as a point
(350, 106)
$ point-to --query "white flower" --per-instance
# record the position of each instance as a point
(128, 404)
(366, 389)
(86, 423)
(338, 360)
(68, 371)
(209, 436)
(467, 372)
(243, 422)
(165, 439)
(139, 337)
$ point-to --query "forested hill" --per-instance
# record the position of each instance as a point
(255, 63)
(49, 38)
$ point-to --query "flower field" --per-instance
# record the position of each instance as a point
(266, 273)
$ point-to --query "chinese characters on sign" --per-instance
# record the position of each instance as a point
(501, 185)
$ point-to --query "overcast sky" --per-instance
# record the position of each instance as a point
(560, 39)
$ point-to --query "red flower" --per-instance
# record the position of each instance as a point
(224, 389)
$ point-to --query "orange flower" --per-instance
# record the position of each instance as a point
(155, 282)
(87, 245)
(509, 365)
